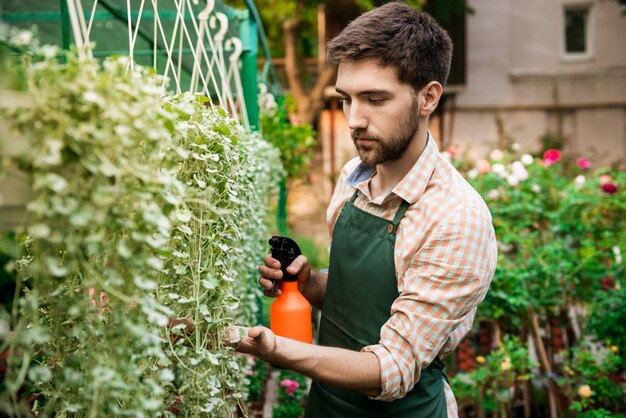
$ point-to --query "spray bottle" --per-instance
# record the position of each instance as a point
(290, 314)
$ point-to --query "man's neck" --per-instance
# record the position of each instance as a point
(390, 173)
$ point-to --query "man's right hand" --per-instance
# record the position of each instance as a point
(271, 271)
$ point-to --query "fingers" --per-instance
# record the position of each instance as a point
(298, 266)
(185, 324)
(270, 272)
(271, 262)
(180, 327)
(235, 334)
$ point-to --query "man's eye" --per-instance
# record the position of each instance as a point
(344, 100)
(377, 102)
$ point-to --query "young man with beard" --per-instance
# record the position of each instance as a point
(413, 249)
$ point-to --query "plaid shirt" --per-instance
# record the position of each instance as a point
(445, 258)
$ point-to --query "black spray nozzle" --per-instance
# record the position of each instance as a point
(284, 250)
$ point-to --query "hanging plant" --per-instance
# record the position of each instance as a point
(141, 210)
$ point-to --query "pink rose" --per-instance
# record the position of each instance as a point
(609, 188)
(605, 178)
(551, 156)
(583, 163)
(290, 386)
(483, 166)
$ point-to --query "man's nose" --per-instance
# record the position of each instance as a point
(356, 118)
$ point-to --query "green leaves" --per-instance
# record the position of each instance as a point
(142, 209)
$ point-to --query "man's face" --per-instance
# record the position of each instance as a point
(382, 113)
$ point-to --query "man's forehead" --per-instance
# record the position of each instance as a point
(365, 75)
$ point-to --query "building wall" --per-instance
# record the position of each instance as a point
(521, 85)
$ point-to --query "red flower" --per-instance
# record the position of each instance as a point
(583, 163)
(551, 156)
(609, 188)
(607, 283)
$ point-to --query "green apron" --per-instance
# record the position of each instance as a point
(361, 288)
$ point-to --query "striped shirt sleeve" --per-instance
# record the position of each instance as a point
(443, 284)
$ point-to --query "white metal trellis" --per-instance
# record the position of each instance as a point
(212, 74)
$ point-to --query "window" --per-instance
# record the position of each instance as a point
(576, 30)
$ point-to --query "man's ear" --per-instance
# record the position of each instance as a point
(431, 94)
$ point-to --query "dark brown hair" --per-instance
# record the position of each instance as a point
(398, 36)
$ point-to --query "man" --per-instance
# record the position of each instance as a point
(413, 249)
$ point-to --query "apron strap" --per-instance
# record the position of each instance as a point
(400, 213)
(354, 196)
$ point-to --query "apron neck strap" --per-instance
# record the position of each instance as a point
(399, 214)
(354, 196)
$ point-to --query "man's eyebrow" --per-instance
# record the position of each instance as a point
(371, 92)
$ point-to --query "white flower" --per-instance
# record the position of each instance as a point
(527, 159)
(618, 255)
(496, 155)
(580, 180)
(536, 188)
(505, 248)
(512, 180)
(23, 38)
(519, 170)
(515, 146)
(498, 168)
(49, 51)
(472, 173)
(493, 194)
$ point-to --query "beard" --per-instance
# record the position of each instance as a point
(391, 148)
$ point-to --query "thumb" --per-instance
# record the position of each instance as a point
(257, 333)
(263, 338)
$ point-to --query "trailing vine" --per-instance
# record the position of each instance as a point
(142, 209)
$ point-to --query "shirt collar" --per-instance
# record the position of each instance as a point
(414, 183)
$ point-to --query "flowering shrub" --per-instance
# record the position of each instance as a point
(291, 394)
(493, 383)
(561, 229)
(154, 206)
(606, 315)
(557, 226)
(592, 381)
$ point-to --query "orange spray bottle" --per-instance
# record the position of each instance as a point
(290, 314)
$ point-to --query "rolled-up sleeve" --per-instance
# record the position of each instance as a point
(442, 286)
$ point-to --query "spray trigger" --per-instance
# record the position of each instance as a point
(285, 250)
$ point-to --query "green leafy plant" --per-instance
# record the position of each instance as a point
(607, 313)
(295, 139)
(492, 385)
(592, 382)
(257, 373)
(142, 209)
